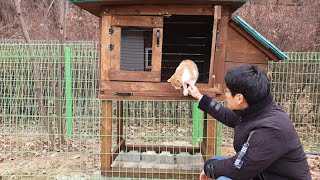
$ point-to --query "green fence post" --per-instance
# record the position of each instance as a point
(68, 92)
(197, 118)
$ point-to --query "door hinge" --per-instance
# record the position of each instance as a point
(111, 30)
(111, 47)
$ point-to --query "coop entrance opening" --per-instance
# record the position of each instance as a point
(187, 37)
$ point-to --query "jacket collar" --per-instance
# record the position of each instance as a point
(256, 108)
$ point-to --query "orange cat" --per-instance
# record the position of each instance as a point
(186, 73)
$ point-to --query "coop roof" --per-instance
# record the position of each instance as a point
(94, 6)
(260, 38)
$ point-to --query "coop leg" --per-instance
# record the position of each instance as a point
(120, 122)
(106, 136)
(211, 137)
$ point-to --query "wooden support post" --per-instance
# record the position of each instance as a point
(220, 53)
(106, 136)
(119, 121)
(211, 137)
(215, 33)
(105, 61)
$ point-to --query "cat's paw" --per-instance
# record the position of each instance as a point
(185, 93)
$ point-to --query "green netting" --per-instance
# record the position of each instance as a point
(69, 86)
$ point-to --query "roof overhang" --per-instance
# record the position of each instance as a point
(95, 6)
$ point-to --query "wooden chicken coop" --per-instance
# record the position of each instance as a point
(143, 41)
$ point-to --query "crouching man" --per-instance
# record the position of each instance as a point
(267, 145)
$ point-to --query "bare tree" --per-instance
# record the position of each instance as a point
(63, 8)
(36, 71)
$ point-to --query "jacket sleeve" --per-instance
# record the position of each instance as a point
(217, 111)
(265, 147)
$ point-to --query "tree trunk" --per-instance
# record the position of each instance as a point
(63, 7)
(36, 71)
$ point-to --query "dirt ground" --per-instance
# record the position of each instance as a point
(30, 157)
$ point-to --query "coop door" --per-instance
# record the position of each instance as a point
(136, 48)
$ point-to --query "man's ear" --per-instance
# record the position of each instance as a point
(169, 80)
(240, 98)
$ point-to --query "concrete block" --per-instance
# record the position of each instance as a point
(146, 165)
(165, 166)
(197, 159)
(185, 166)
(130, 164)
(184, 158)
(149, 156)
(165, 157)
(133, 156)
(117, 164)
(122, 156)
(197, 167)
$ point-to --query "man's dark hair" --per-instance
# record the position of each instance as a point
(248, 80)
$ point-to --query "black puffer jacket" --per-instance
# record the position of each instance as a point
(274, 149)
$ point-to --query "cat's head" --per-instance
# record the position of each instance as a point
(175, 82)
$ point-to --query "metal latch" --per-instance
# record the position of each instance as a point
(123, 93)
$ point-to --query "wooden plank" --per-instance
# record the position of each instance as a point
(134, 10)
(211, 138)
(160, 10)
(120, 122)
(137, 21)
(245, 56)
(216, 21)
(149, 87)
(240, 49)
(153, 96)
(157, 50)
(189, 10)
(104, 52)
(152, 173)
(120, 146)
(229, 65)
(116, 52)
(254, 41)
(204, 147)
(160, 148)
(106, 135)
(144, 76)
(218, 69)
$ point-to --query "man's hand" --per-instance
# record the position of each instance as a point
(203, 176)
(194, 92)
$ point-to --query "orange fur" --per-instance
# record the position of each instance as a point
(186, 73)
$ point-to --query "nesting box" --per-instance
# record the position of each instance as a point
(143, 41)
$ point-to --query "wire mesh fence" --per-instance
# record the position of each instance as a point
(56, 133)
(295, 84)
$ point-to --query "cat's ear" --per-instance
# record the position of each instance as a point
(169, 80)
